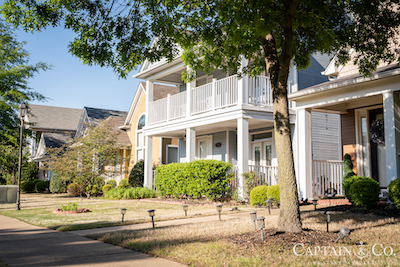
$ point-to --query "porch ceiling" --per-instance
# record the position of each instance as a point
(342, 106)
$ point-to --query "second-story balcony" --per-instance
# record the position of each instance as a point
(218, 94)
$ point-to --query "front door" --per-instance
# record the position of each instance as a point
(204, 147)
(262, 153)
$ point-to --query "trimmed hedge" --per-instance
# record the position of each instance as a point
(365, 192)
(28, 186)
(41, 186)
(273, 192)
(347, 167)
(258, 195)
(106, 187)
(195, 179)
(347, 184)
(124, 183)
(129, 193)
(136, 177)
(394, 192)
(113, 183)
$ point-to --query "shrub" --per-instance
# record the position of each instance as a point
(195, 179)
(58, 184)
(273, 192)
(250, 181)
(113, 183)
(129, 193)
(347, 167)
(41, 186)
(136, 177)
(29, 171)
(347, 184)
(94, 185)
(2, 180)
(28, 186)
(106, 187)
(124, 183)
(394, 192)
(73, 189)
(365, 192)
(258, 195)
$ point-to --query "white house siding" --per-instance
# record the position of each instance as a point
(232, 148)
(182, 150)
(219, 153)
(325, 136)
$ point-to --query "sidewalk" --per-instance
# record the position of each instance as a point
(22, 244)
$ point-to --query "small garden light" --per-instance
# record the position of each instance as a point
(151, 214)
(219, 209)
(328, 219)
(253, 216)
(344, 231)
(246, 200)
(185, 208)
(268, 204)
(315, 203)
(123, 212)
(261, 225)
(390, 206)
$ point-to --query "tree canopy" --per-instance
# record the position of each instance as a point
(218, 34)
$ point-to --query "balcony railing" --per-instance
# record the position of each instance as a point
(267, 175)
(213, 96)
(327, 174)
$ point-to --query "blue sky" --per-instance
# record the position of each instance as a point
(70, 83)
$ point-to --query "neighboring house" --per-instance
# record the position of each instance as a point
(361, 103)
(51, 127)
(219, 116)
(91, 117)
(165, 149)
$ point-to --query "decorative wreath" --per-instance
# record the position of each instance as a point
(377, 132)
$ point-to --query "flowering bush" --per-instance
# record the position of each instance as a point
(377, 132)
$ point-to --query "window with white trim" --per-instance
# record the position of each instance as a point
(140, 144)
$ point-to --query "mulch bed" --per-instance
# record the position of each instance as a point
(286, 240)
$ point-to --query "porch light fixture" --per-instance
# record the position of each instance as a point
(185, 208)
(261, 225)
(253, 216)
(123, 212)
(268, 204)
(344, 232)
(328, 219)
(315, 203)
(23, 108)
(219, 209)
(151, 214)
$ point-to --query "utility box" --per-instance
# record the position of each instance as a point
(8, 193)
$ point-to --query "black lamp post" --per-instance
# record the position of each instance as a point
(219, 209)
(315, 203)
(185, 208)
(22, 112)
(151, 214)
(123, 211)
(328, 219)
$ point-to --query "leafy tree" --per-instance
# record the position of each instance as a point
(87, 159)
(218, 34)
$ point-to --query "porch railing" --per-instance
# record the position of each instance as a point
(327, 174)
(169, 108)
(266, 174)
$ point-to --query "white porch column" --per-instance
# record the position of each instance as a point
(148, 162)
(242, 151)
(390, 118)
(304, 153)
(149, 99)
(189, 88)
(242, 85)
(190, 144)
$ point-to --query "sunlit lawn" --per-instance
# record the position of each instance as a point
(37, 209)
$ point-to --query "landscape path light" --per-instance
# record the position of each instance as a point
(246, 200)
(344, 232)
(268, 204)
(253, 216)
(23, 108)
(315, 203)
(151, 214)
(219, 209)
(185, 208)
(261, 225)
(328, 219)
(123, 212)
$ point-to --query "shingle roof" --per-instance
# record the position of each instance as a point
(162, 91)
(56, 140)
(123, 137)
(48, 117)
(96, 115)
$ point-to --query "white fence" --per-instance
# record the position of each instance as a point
(266, 174)
(327, 174)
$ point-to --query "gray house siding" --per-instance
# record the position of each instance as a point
(312, 75)
(232, 148)
(219, 153)
(325, 136)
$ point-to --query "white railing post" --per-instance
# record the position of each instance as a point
(149, 100)
(213, 94)
(168, 107)
(189, 91)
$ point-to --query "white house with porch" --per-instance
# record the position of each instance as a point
(362, 103)
(219, 116)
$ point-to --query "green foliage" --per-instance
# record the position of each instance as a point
(58, 184)
(30, 171)
(2, 180)
(347, 167)
(28, 186)
(394, 192)
(74, 190)
(195, 179)
(273, 192)
(250, 181)
(41, 186)
(365, 192)
(258, 195)
(70, 207)
(136, 177)
(113, 183)
(124, 183)
(347, 184)
(129, 193)
(106, 187)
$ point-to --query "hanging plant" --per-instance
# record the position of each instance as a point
(377, 132)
